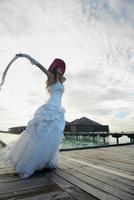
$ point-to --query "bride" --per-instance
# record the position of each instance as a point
(38, 145)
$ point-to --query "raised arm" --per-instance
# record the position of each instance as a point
(49, 74)
(34, 62)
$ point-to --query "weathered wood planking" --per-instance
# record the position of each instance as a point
(111, 179)
(102, 157)
(39, 186)
(102, 173)
(71, 188)
(105, 183)
(122, 152)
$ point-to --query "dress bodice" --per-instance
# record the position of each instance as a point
(56, 92)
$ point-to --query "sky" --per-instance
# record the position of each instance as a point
(95, 38)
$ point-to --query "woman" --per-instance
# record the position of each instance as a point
(38, 145)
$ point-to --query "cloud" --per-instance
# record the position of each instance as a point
(96, 40)
(117, 11)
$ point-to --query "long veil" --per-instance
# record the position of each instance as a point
(5, 71)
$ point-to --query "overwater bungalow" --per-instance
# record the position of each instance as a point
(78, 125)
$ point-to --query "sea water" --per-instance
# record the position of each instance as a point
(72, 141)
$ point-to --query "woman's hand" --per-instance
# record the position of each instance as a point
(32, 60)
(21, 55)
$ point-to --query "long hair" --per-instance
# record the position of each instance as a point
(54, 72)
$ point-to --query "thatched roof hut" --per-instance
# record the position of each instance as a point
(85, 125)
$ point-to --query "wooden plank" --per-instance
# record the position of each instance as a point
(119, 166)
(107, 158)
(23, 183)
(58, 195)
(9, 177)
(88, 174)
(105, 177)
(101, 186)
(96, 147)
(126, 150)
(30, 192)
(28, 187)
(101, 155)
(71, 189)
(102, 178)
(86, 156)
(120, 150)
(100, 167)
(108, 155)
(27, 193)
(100, 194)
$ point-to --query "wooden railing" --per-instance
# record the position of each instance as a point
(116, 135)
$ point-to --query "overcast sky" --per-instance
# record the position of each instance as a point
(96, 40)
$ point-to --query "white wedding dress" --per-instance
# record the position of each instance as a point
(38, 145)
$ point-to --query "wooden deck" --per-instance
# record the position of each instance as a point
(101, 173)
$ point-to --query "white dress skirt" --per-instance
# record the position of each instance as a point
(38, 145)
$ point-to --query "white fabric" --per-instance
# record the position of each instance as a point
(38, 145)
